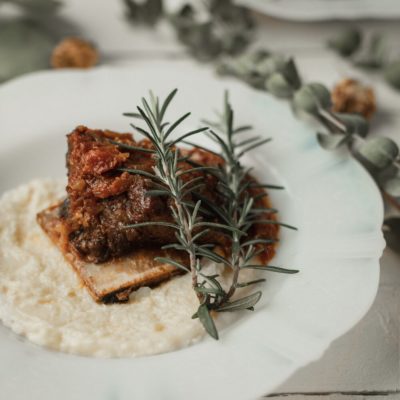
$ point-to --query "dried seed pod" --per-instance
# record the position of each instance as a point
(350, 96)
(74, 53)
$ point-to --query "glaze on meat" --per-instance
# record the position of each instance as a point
(102, 200)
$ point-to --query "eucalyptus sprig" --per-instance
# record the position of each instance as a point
(374, 55)
(206, 28)
(213, 27)
(235, 216)
(379, 155)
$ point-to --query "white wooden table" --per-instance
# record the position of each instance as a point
(364, 363)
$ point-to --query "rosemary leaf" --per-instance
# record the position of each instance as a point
(255, 210)
(205, 318)
(192, 188)
(273, 222)
(271, 268)
(197, 236)
(217, 210)
(192, 182)
(200, 147)
(198, 169)
(139, 172)
(176, 264)
(253, 146)
(211, 255)
(221, 226)
(129, 147)
(242, 129)
(152, 223)
(266, 186)
(241, 304)
(175, 246)
(176, 124)
(244, 284)
(212, 279)
(209, 290)
(247, 141)
(132, 115)
(259, 241)
(191, 133)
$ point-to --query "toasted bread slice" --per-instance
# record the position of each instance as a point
(112, 281)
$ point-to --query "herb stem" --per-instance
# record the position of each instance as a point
(170, 173)
(233, 215)
(329, 117)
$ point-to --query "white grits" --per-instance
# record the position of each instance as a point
(42, 299)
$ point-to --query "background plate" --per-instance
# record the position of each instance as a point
(328, 196)
(314, 10)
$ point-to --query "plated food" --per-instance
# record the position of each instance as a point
(337, 248)
(138, 213)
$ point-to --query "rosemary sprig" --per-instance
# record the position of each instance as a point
(239, 209)
(188, 224)
(236, 215)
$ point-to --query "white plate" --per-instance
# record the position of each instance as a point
(328, 196)
(314, 10)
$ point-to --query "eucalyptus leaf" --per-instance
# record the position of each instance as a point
(146, 12)
(36, 8)
(310, 97)
(368, 62)
(258, 55)
(392, 74)
(375, 55)
(392, 187)
(200, 41)
(271, 64)
(277, 63)
(205, 318)
(289, 71)
(380, 152)
(355, 123)
(277, 85)
(332, 141)
(25, 46)
(213, 28)
(391, 231)
(346, 42)
(240, 67)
